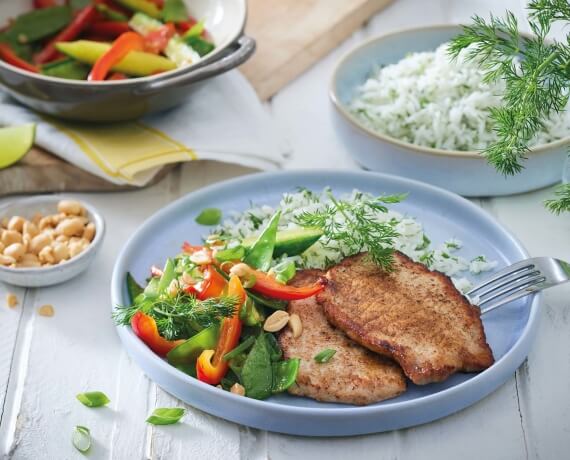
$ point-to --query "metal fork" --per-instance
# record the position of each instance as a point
(519, 280)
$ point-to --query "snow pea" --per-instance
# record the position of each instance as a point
(66, 68)
(284, 271)
(174, 11)
(257, 372)
(284, 374)
(38, 24)
(198, 44)
(168, 274)
(187, 353)
(261, 253)
(133, 288)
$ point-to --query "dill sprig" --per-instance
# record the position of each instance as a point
(176, 317)
(354, 226)
(562, 201)
(536, 73)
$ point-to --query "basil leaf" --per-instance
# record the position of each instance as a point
(166, 416)
(81, 438)
(209, 216)
(93, 399)
(324, 356)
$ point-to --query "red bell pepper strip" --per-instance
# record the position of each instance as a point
(156, 41)
(39, 4)
(144, 326)
(211, 367)
(267, 285)
(117, 76)
(212, 285)
(108, 29)
(71, 32)
(6, 54)
(127, 42)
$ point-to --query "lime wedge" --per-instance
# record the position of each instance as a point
(15, 142)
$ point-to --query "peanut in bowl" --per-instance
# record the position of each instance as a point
(47, 240)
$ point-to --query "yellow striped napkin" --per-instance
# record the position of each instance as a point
(223, 121)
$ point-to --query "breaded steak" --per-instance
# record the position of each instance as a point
(414, 315)
(353, 376)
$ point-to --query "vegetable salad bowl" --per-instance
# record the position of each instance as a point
(128, 99)
(464, 172)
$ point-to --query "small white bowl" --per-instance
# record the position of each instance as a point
(47, 276)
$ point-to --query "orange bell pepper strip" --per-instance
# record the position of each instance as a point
(267, 285)
(7, 55)
(211, 367)
(127, 42)
(212, 285)
(144, 326)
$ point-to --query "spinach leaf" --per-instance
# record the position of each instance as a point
(275, 351)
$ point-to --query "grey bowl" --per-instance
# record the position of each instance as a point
(129, 99)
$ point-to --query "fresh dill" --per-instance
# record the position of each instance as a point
(356, 227)
(536, 73)
(177, 317)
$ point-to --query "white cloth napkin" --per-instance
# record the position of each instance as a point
(224, 120)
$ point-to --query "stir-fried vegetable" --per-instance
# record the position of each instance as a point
(111, 39)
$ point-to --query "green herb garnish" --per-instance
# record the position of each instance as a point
(93, 399)
(535, 72)
(176, 316)
(209, 216)
(324, 356)
(358, 228)
(81, 438)
(166, 416)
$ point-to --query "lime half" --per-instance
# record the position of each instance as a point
(15, 142)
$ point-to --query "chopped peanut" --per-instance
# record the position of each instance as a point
(46, 310)
(11, 300)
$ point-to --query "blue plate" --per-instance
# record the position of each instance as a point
(510, 330)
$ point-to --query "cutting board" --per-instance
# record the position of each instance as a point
(291, 36)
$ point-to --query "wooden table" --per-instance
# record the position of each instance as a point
(44, 362)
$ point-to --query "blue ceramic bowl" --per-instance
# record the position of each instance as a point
(466, 173)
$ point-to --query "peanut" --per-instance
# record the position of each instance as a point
(62, 238)
(39, 242)
(240, 270)
(2, 247)
(89, 232)
(60, 252)
(30, 229)
(11, 300)
(36, 218)
(29, 261)
(276, 321)
(237, 389)
(46, 310)
(46, 255)
(70, 227)
(16, 251)
(6, 260)
(4, 222)
(10, 237)
(16, 223)
(76, 247)
(296, 325)
(46, 222)
(187, 278)
(70, 207)
(173, 288)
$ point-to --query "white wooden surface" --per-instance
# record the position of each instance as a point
(44, 362)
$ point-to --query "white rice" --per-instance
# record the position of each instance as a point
(412, 240)
(429, 100)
